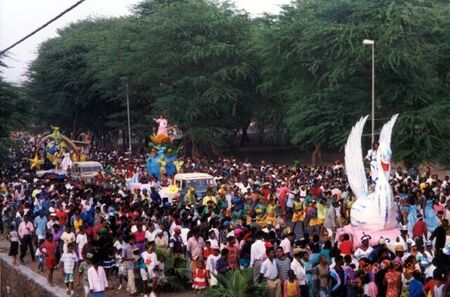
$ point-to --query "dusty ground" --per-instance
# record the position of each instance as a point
(113, 281)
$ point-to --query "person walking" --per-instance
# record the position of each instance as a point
(98, 283)
(26, 231)
(257, 255)
(269, 273)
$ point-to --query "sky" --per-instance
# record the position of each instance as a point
(20, 17)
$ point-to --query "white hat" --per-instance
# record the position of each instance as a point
(230, 234)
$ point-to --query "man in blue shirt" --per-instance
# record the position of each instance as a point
(40, 224)
(415, 286)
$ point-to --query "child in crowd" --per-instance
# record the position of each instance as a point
(199, 282)
(291, 287)
(122, 272)
(13, 238)
(40, 257)
(69, 259)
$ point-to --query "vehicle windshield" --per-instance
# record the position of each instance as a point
(91, 169)
(197, 183)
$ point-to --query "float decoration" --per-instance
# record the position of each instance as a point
(56, 152)
(36, 162)
(163, 156)
(373, 212)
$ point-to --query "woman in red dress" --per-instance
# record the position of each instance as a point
(393, 280)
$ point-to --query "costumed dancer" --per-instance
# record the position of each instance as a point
(66, 162)
(372, 158)
(162, 125)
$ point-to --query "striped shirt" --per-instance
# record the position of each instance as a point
(283, 266)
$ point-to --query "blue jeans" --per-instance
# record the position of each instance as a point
(97, 294)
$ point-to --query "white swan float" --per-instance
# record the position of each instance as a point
(376, 210)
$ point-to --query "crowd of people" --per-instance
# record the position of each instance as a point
(278, 220)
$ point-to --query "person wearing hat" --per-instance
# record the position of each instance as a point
(233, 251)
(211, 264)
(365, 249)
(300, 271)
(176, 242)
(82, 273)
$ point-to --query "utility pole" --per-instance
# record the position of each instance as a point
(129, 122)
(371, 43)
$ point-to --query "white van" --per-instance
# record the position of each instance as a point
(86, 170)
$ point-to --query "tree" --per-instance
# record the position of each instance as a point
(13, 113)
(315, 61)
(83, 72)
(196, 56)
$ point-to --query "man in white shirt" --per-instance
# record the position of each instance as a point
(151, 233)
(257, 254)
(269, 272)
(286, 244)
(299, 270)
(98, 283)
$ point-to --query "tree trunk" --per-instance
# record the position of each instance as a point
(195, 153)
(316, 157)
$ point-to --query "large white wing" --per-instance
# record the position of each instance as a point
(354, 160)
(386, 132)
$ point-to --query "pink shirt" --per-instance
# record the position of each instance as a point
(195, 247)
(25, 228)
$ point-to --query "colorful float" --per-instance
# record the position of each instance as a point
(55, 153)
(162, 161)
(374, 212)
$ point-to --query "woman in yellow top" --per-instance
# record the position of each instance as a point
(291, 287)
(77, 222)
(271, 211)
(299, 212)
(322, 209)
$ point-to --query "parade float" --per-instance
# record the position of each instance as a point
(57, 156)
(162, 161)
(374, 213)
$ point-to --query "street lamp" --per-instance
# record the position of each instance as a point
(372, 44)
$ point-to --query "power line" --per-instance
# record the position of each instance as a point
(41, 27)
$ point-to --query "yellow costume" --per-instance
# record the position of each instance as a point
(299, 213)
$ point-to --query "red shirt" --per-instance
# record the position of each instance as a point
(346, 247)
(50, 248)
(62, 217)
(206, 252)
(139, 236)
(419, 229)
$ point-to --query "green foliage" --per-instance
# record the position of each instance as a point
(175, 270)
(14, 110)
(315, 61)
(199, 64)
(237, 283)
(303, 76)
